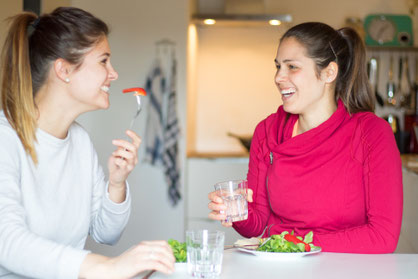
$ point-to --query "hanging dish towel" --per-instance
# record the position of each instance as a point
(155, 87)
(171, 139)
(162, 131)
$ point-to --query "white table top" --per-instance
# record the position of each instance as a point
(241, 265)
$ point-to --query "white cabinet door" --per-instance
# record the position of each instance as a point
(408, 242)
(202, 174)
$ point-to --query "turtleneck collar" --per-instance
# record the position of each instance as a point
(280, 127)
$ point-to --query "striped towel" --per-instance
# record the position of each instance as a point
(171, 138)
(162, 131)
(155, 87)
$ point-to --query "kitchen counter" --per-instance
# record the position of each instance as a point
(216, 155)
(241, 265)
(410, 162)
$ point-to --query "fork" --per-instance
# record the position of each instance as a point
(138, 110)
(227, 247)
(264, 242)
(148, 275)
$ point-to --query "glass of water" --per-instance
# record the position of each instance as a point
(204, 253)
(234, 196)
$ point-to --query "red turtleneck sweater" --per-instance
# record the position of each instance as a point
(342, 180)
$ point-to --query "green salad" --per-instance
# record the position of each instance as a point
(179, 250)
(288, 242)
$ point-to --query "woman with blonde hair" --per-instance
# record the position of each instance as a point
(53, 192)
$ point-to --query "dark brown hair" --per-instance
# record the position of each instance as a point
(31, 46)
(324, 45)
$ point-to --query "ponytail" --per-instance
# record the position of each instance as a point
(16, 83)
(352, 85)
(324, 45)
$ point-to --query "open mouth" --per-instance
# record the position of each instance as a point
(105, 88)
(287, 93)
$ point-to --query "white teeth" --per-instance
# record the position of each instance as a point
(104, 88)
(287, 91)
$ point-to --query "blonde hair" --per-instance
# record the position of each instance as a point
(16, 83)
(31, 46)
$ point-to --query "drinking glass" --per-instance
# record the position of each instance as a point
(204, 253)
(234, 196)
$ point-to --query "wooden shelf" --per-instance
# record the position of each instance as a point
(194, 154)
(388, 48)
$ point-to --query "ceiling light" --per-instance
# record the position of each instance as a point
(274, 22)
(241, 19)
(209, 21)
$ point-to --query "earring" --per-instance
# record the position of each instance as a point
(67, 80)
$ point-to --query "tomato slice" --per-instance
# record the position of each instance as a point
(294, 239)
(137, 90)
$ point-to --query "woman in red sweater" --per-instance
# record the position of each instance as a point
(324, 162)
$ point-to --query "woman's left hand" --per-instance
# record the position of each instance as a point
(123, 159)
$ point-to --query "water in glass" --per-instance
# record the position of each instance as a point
(237, 208)
(204, 253)
(234, 196)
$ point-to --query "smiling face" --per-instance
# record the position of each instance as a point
(90, 83)
(303, 90)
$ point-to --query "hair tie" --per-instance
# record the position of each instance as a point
(36, 22)
(33, 26)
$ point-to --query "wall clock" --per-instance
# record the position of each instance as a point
(388, 30)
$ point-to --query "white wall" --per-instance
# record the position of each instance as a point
(135, 26)
(235, 84)
(48, 6)
(7, 9)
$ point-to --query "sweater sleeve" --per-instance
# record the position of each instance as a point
(382, 172)
(22, 251)
(109, 219)
(259, 209)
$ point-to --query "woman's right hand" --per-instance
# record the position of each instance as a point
(218, 207)
(147, 255)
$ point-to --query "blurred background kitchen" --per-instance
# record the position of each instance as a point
(224, 87)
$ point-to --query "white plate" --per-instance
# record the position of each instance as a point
(281, 255)
(180, 266)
